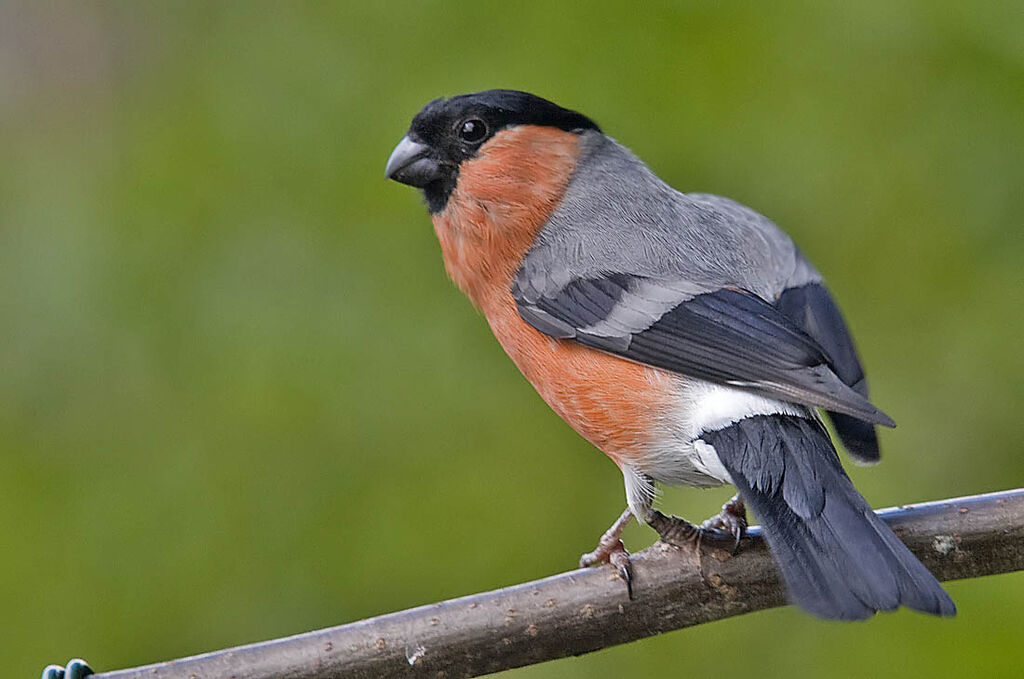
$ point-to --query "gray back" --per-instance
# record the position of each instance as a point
(618, 217)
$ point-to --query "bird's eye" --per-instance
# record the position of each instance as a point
(473, 130)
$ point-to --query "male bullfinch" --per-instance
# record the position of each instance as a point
(683, 334)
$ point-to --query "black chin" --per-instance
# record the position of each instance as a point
(436, 193)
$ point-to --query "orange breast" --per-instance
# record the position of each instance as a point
(613, 403)
(502, 198)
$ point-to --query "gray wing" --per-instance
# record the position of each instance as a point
(730, 336)
(686, 283)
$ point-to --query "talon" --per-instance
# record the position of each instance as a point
(611, 550)
(731, 520)
(624, 566)
(613, 553)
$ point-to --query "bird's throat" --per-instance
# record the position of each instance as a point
(504, 196)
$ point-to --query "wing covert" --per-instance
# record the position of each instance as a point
(727, 335)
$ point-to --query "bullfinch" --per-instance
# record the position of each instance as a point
(683, 334)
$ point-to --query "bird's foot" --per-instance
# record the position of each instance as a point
(611, 550)
(731, 520)
(674, 530)
(681, 533)
(76, 669)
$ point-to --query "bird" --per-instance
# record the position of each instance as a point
(683, 334)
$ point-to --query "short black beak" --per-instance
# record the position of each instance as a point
(410, 163)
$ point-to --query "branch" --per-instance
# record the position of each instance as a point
(586, 610)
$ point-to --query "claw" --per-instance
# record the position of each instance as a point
(624, 567)
(732, 520)
(611, 550)
(613, 553)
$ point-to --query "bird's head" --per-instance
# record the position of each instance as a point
(448, 133)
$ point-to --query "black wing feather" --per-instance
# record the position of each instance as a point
(812, 308)
(727, 336)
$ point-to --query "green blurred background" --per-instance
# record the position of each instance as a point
(239, 398)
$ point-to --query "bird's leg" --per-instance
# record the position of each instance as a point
(732, 519)
(611, 550)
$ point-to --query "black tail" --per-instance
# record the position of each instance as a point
(837, 558)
